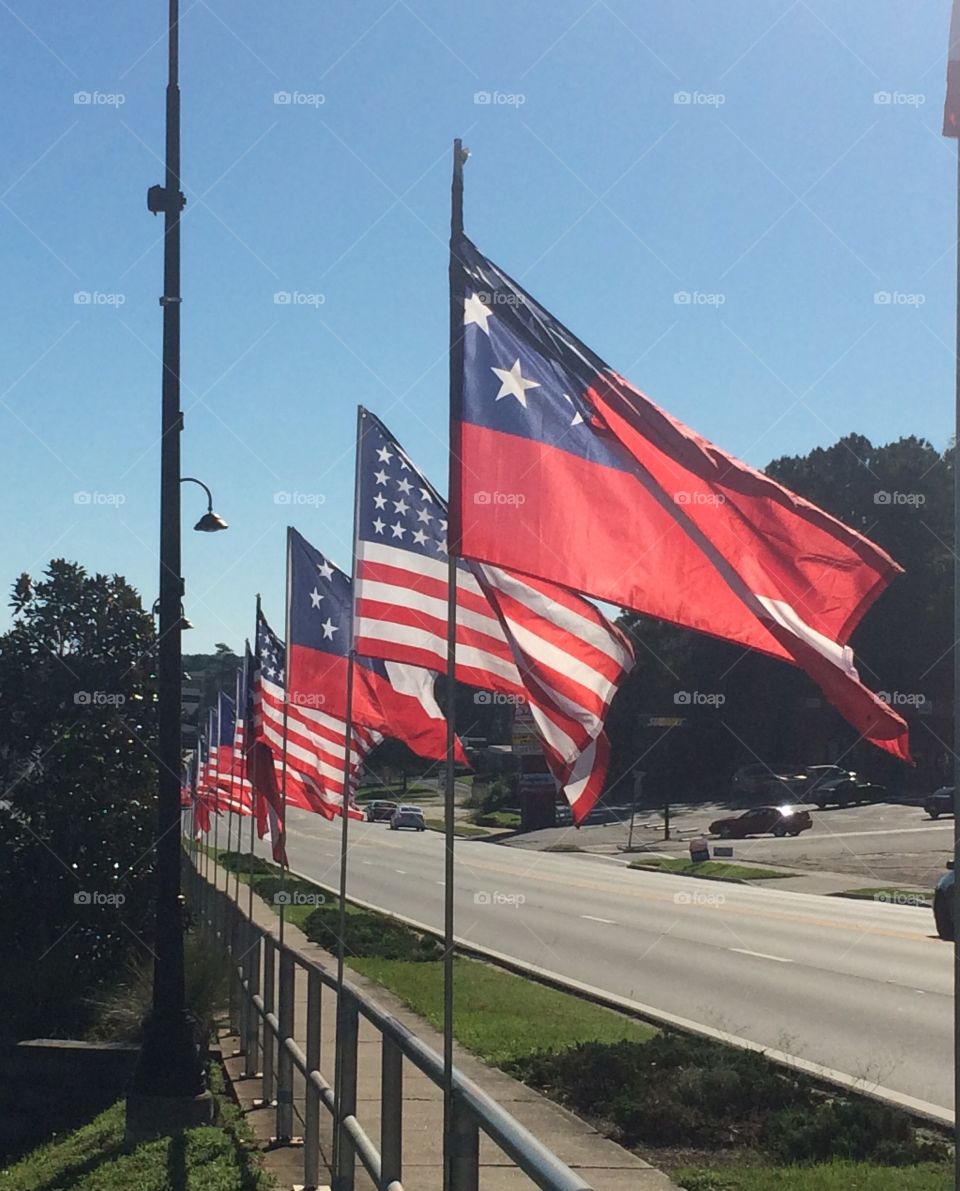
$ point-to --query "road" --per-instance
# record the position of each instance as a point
(861, 988)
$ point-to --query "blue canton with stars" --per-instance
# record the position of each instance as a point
(321, 603)
(397, 505)
(271, 653)
(525, 374)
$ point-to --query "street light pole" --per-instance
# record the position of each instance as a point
(168, 1088)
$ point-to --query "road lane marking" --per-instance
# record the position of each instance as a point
(762, 955)
(591, 918)
(401, 871)
(827, 834)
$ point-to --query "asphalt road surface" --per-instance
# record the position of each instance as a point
(861, 988)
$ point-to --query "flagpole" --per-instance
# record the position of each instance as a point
(283, 758)
(453, 542)
(956, 708)
(345, 809)
(241, 690)
(253, 794)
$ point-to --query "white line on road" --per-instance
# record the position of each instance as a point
(401, 871)
(762, 955)
(883, 831)
(590, 918)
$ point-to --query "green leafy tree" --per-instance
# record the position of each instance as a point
(78, 781)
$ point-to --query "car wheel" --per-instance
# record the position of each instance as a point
(942, 918)
(796, 831)
(780, 830)
(934, 814)
(723, 832)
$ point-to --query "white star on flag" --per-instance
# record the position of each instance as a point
(378, 525)
(315, 598)
(380, 500)
(398, 530)
(474, 311)
(329, 628)
(325, 569)
(512, 383)
(405, 486)
(384, 455)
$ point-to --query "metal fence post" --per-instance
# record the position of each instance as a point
(284, 1059)
(251, 1045)
(391, 1112)
(349, 1036)
(241, 975)
(465, 1166)
(269, 979)
(311, 1125)
(235, 999)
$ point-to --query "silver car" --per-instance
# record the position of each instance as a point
(408, 816)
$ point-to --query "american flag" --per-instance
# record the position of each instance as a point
(531, 640)
(232, 780)
(316, 742)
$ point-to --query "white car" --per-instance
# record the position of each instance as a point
(408, 816)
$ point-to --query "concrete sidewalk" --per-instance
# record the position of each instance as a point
(603, 1164)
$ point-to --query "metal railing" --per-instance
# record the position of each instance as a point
(262, 1007)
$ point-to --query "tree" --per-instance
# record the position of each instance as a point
(77, 747)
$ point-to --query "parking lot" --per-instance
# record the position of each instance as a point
(884, 843)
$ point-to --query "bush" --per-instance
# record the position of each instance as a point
(860, 1130)
(370, 936)
(245, 863)
(119, 1012)
(497, 819)
(672, 1090)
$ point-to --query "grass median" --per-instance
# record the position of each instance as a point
(707, 870)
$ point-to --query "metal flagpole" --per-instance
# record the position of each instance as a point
(956, 707)
(345, 812)
(283, 758)
(234, 762)
(453, 537)
(253, 795)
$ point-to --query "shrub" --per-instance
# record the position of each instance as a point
(245, 863)
(370, 936)
(860, 1130)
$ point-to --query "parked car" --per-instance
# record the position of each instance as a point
(845, 791)
(815, 776)
(408, 816)
(940, 802)
(943, 903)
(763, 820)
(380, 811)
(758, 779)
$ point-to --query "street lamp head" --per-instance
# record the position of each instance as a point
(210, 522)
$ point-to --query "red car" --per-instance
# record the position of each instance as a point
(763, 820)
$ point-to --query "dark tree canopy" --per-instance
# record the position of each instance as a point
(77, 729)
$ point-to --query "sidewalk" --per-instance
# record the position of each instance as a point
(603, 1164)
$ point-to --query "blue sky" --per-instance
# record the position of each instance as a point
(779, 162)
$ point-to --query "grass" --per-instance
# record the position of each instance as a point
(509, 819)
(501, 1017)
(464, 830)
(828, 1176)
(562, 848)
(710, 870)
(219, 1157)
(891, 894)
